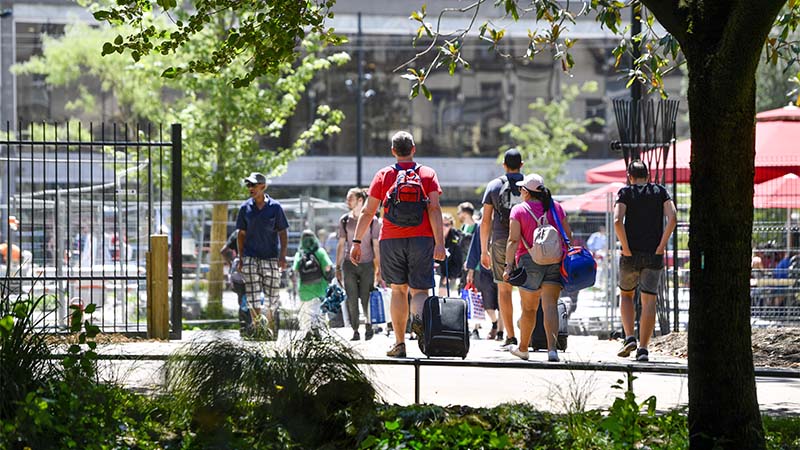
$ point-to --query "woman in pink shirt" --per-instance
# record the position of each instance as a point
(543, 281)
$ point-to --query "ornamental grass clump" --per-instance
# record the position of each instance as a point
(310, 390)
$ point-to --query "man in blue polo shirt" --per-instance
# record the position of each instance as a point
(262, 223)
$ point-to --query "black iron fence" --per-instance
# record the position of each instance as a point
(77, 208)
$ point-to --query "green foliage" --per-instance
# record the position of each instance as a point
(223, 127)
(310, 391)
(81, 360)
(262, 38)
(22, 345)
(551, 136)
(782, 433)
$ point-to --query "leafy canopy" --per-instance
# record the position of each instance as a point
(227, 131)
(264, 37)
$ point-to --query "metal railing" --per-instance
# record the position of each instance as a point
(627, 368)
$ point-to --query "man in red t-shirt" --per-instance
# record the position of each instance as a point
(407, 252)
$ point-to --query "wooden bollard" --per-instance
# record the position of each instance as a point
(158, 288)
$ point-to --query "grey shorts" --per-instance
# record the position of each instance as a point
(642, 270)
(498, 252)
(538, 274)
(408, 261)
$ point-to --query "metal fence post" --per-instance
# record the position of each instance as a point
(416, 381)
(177, 231)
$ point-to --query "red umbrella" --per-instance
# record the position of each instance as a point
(777, 151)
(595, 200)
(782, 192)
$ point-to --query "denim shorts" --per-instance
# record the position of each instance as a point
(642, 270)
(408, 261)
(538, 274)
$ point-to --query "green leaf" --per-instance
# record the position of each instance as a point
(170, 72)
(426, 92)
(21, 310)
(118, 40)
(7, 323)
(391, 425)
(90, 308)
(108, 48)
(74, 348)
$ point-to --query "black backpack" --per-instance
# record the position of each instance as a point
(406, 202)
(508, 197)
(310, 270)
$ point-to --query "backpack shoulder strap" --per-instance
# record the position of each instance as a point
(539, 220)
(344, 221)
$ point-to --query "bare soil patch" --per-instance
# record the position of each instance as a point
(102, 338)
(772, 347)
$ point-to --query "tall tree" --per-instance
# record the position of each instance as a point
(225, 128)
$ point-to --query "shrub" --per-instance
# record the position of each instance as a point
(309, 390)
(22, 345)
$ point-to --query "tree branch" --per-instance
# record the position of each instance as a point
(436, 34)
(671, 16)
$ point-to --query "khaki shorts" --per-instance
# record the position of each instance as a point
(498, 252)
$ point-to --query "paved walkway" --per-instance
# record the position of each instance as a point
(555, 390)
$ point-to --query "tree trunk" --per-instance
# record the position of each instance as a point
(723, 407)
(219, 229)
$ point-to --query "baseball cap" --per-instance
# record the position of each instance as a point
(255, 178)
(513, 158)
(532, 182)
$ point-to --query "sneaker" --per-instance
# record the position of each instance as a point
(499, 336)
(642, 355)
(627, 347)
(368, 335)
(397, 350)
(492, 334)
(552, 356)
(356, 336)
(521, 354)
(512, 341)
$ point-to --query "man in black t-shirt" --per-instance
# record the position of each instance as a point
(639, 222)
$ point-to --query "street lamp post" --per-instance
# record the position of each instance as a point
(359, 103)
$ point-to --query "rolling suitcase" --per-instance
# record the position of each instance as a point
(445, 329)
(538, 337)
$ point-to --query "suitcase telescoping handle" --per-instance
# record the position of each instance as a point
(446, 276)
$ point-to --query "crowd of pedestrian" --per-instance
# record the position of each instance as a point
(395, 236)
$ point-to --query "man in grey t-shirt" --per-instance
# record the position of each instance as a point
(500, 195)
